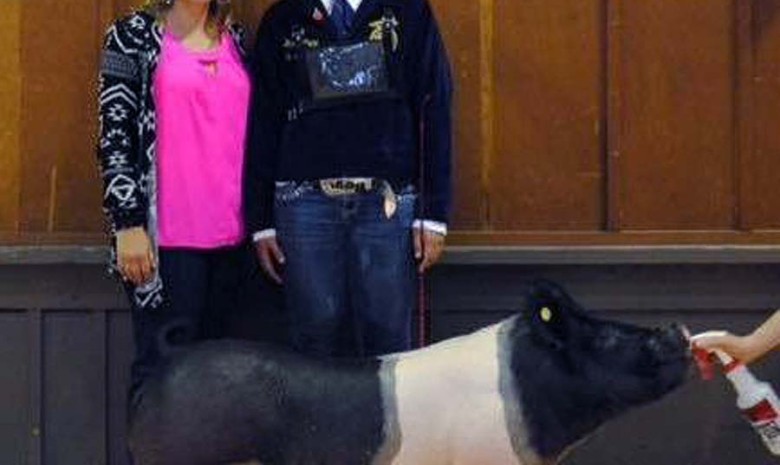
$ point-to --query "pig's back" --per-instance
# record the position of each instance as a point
(452, 404)
(249, 401)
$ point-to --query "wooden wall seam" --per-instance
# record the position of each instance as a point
(529, 113)
(488, 102)
(612, 109)
(37, 382)
(743, 103)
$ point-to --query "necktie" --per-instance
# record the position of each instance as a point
(342, 16)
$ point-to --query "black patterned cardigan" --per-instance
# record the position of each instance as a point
(126, 148)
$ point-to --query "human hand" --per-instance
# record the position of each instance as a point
(135, 257)
(743, 348)
(271, 257)
(428, 247)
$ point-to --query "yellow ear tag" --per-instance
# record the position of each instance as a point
(546, 314)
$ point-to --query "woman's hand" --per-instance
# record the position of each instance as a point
(135, 257)
(746, 349)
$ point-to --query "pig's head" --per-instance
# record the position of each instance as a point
(572, 372)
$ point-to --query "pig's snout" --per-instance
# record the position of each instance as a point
(671, 344)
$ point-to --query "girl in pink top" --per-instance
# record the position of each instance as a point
(201, 99)
(173, 104)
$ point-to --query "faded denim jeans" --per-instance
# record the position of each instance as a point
(349, 273)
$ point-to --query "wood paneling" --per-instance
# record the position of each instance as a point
(462, 29)
(123, 7)
(75, 389)
(547, 169)
(78, 357)
(626, 238)
(588, 122)
(675, 122)
(761, 84)
(10, 109)
(14, 403)
(60, 191)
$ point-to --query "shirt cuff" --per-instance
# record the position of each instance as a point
(430, 225)
(264, 234)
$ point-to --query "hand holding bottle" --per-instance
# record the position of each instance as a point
(746, 348)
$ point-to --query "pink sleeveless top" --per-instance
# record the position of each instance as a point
(202, 100)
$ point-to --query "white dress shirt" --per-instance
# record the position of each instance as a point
(355, 4)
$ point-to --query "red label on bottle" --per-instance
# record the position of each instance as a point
(761, 412)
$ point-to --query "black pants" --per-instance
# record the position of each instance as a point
(200, 288)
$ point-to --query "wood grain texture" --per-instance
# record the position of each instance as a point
(547, 171)
(761, 84)
(702, 238)
(60, 190)
(10, 113)
(675, 125)
(464, 33)
(597, 121)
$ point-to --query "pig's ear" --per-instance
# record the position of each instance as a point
(548, 313)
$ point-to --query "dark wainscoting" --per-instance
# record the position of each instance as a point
(65, 342)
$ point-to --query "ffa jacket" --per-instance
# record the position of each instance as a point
(397, 127)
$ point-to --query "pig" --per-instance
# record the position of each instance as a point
(522, 391)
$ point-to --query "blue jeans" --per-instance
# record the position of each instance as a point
(349, 273)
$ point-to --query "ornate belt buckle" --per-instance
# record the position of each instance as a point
(345, 186)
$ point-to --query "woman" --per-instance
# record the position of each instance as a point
(173, 108)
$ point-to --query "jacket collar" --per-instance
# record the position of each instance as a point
(312, 9)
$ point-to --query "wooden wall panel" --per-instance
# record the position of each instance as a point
(123, 7)
(547, 169)
(761, 163)
(75, 391)
(60, 191)
(588, 122)
(119, 355)
(10, 109)
(463, 32)
(674, 114)
(15, 420)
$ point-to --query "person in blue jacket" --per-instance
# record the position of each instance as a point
(348, 175)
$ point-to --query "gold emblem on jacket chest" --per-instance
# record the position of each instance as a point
(387, 25)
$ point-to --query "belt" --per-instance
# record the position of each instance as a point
(334, 187)
(347, 186)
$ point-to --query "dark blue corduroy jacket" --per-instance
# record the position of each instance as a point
(403, 137)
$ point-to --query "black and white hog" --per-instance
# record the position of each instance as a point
(519, 392)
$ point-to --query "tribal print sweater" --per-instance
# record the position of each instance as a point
(126, 150)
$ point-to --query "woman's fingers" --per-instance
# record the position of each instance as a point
(135, 256)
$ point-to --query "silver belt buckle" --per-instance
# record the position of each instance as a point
(345, 186)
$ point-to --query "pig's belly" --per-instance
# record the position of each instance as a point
(448, 405)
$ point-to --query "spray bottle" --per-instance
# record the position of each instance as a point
(755, 399)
